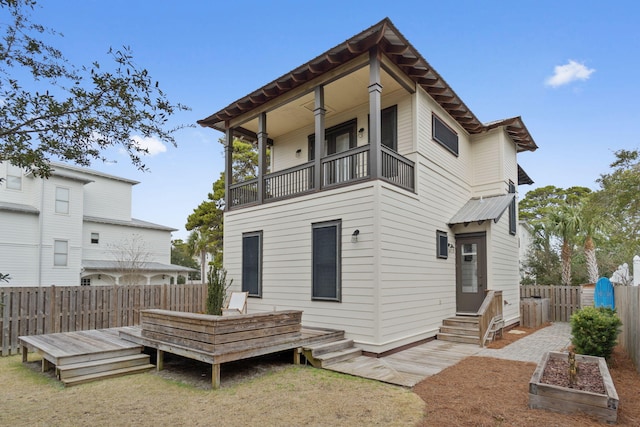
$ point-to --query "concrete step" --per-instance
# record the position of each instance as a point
(323, 348)
(338, 356)
(108, 374)
(459, 338)
(102, 365)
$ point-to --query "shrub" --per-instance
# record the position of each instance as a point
(216, 289)
(595, 331)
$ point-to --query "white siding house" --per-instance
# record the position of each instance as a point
(76, 228)
(405, 214)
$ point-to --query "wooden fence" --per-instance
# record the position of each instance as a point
(563, 300)
(627, 300)
(51, 309)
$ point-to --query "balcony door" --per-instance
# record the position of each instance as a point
(338, 139)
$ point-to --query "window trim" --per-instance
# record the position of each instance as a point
(259, 235)
(65, 253)
(67, 201)
(388, 110)
(442, 248)
(455, 151)
(338, 255)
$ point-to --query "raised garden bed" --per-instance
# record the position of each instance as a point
(594, 393)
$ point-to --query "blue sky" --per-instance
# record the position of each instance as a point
(500, 58)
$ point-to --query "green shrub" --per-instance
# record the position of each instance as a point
(595, 331)
(216, 289)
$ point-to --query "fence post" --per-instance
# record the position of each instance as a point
(636, 270)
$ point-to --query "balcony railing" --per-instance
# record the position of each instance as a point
(337, 169)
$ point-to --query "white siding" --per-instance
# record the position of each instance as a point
(108, 198)
(155, 244)
(19, 247)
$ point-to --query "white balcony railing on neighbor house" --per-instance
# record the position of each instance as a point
(337, 169)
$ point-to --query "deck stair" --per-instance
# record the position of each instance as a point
(460, 328)
(324, 354)
(104, 367)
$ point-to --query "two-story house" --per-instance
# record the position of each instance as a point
(388, 205)
(75, 228)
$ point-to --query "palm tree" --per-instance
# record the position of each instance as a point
(200, 243)
(565, 223)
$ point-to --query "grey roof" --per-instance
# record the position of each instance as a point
(108, 265)
(57, 167)
(482, 209)
(133, 223)
(18, 207)
(523, 177)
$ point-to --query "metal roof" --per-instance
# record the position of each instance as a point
(18, 207)
(386, 37)
(108, 265)
(133, 223)
(482, 209)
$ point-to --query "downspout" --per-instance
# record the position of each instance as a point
(40, 225)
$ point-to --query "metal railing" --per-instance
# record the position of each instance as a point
(347, 166)
(289, 182)
(397, 169)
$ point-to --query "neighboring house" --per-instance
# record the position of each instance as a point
(525, 237)
(403, 215)
(75, 228)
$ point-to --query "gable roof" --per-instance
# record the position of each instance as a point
(482, 209)
(397, 48)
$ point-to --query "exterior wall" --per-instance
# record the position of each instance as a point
(286, 252)
(285, 147)
(19, 246)
(108, 198)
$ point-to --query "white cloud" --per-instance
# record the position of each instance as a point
(153, 145)
(570, 72)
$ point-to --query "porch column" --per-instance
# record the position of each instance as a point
(319, 113)
(375, 127)
(228, 166)
(262, 154)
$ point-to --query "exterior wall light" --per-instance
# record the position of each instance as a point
(354, 236)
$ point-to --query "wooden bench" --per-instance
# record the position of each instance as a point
(217, 339)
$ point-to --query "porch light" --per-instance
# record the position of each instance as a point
(298, 152)
(354, 236)
(361, 132)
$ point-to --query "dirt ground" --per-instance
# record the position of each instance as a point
(270, 391)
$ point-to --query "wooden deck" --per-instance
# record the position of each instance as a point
(410, 366)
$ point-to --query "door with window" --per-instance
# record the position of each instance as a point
(471, 271)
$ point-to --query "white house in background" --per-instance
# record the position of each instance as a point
(388, 206)
(75, 228)
(525, 236)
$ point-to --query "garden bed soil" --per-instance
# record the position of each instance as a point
(588, 377)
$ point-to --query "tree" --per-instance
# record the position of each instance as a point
(180, 256)
(208, 217)
(565, 222)
(200, 243)
(131, 257)
(52, 110)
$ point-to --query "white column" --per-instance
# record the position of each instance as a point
(636, 270)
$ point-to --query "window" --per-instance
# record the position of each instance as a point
(85, 281)
(512, 210)
(389, 124)
(14, 177)
(95, 238)
(326, 256)
(252, 263)
(442, 244)
(62, 200)
(445, 135)
(337, 139)
(60, 253)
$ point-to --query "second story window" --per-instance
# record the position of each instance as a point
(62, 200)
(14, 177)
(444, 135)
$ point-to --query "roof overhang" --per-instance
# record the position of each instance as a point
(523, 177)
(106, 266)
(390, 42)
(482, 209)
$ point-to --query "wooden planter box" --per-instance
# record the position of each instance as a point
(570, 401)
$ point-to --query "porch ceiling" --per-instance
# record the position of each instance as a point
(385, 36)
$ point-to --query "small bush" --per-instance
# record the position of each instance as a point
(595, 331)
(216, 289)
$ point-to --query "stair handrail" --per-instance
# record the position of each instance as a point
(491, 307)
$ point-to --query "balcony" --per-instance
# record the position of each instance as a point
(345, 168)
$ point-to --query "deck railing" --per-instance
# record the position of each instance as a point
(397, 169)
(337, 169)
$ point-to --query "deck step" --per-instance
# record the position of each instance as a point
(108, 374)
(323, 348)
(462, 321)
(102, 365)
(101, 355)
(460, 330)
(338, 356)
(459, 338)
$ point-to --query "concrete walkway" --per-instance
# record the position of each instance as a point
(409, 367)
